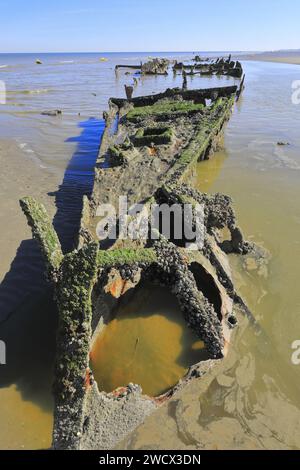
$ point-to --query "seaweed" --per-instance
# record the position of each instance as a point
(44, 233)
(126, 257)
(164, 108)
(208, 128)
(153, 135)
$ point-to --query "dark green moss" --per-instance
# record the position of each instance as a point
(208, 128)
(153, 135)
(78, 274)
(44, 233)
(126, 256)
(117, 155)
(168, 108)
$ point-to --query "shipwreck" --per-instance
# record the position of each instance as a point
(150, 157)
(219, 66)
(152, 67)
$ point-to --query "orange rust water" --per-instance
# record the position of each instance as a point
(148, 343)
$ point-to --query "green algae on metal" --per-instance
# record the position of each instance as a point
(126, 257)
(173, 108)
(44, 233)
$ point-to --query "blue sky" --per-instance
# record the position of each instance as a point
(148, 25)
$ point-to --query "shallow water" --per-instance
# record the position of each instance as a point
(26, 402)
(257, 404)
(252, 401)
(50, 158)
(148, 343)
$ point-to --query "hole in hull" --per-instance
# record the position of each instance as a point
(206, 284)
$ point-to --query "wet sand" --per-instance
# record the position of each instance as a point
(283, 57)
(19, 177)
(25, 382)
(253, 403)
(252, 400)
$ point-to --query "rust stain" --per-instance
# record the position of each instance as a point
(152, 151)
(87, 380)
(116, 288)
(121, 391)
(161, 400)
(226, 347)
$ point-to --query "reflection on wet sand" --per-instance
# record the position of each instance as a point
(26, 406)
(28, 315)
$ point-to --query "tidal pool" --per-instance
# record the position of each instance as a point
(147, 343)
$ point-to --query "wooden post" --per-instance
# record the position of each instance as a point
(129, 91)
(239, 92)
(184, 85)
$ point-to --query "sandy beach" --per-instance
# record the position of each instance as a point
(283, 57)
(22, 400)
(38, 154)
(18, 176)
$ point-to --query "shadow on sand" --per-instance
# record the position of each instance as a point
(28, 316)
(77, 182)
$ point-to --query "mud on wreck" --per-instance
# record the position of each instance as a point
(150, 158)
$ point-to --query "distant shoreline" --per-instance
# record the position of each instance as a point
(283, 57)
(280, 56)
